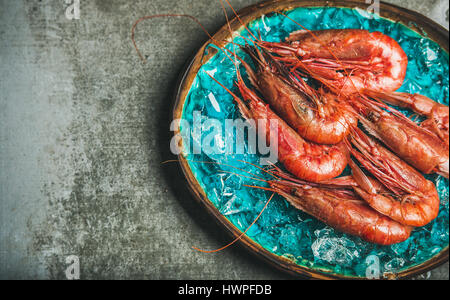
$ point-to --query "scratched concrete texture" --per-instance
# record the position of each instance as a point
(84, 128)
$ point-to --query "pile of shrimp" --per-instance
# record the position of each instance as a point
(330, 92)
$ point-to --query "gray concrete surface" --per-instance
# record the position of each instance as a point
(83, 130)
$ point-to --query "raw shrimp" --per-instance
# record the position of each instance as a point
(400, 192)
(341, 209)
(308, 161)
(318, 116)
(348, 59)
(416, 145)
(437, 114)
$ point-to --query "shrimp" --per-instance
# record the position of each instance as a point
(308, 161)
(348, 59)
(341, 209)
(399, 191)
(437, 114)
(421, 148)
(317, 116)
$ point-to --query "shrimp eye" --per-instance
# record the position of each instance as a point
(373, 116)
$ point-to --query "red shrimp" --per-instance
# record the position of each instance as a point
(437, 114)
(399, 191)
(348, 59)
(341, 209)
(316, 115)
(308, 161)
(416, 145)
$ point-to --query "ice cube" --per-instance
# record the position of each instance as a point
(336, 251)
(230, 207)
(289, 239)
(235, 206)
(394, 264)
(401, 248)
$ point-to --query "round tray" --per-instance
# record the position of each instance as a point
(413, 20)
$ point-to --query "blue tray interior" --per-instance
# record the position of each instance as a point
(282, 229)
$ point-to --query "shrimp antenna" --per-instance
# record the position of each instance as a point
(260, 213)
(221, 164)
(240, 20)
(241, 235)
(326, 47)
(231, 37)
